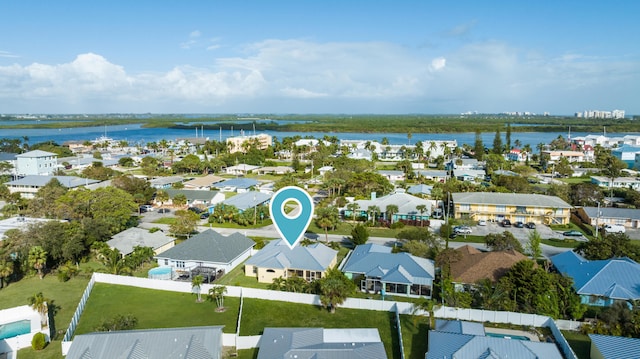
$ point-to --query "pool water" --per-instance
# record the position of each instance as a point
(160, 273)
(507, 336)
(10, 330)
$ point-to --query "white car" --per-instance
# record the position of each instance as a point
(482, 222)
(463, 230)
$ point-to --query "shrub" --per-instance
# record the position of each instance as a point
(39, 341)
(397, 225)
(119, 322)
(154, 229)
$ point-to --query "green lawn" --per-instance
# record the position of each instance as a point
(155, 308)
(64, 297)
(580, 343)
(283, 314)
(415, 330)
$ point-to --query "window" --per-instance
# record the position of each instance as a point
(270, 271)
(501, 209)
(166, 262)
(465, 207)
(179, 264)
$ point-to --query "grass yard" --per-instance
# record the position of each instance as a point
(237, 278)
(155, 308)
(580, 343)
(282, 314)
(415, 331)
(63, 295)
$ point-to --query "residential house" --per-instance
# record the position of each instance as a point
(437, 148)
(471, 265)
(618, 182)
(130, 238)
(469, 175)
(600, 282)
(420, 189)
(460, 339)
(238, 185)
(465, 164)
(277, 260)
(36, 163)
(202, 183)
(360, 154)
(626, 153)
(612, 347)
(19, 222)
(433, 175)
(196, 198)
(517, 155)
(392, 175)
(325, 169)
(170, 343)
(406, 203)
(240, 143)
(165, 182)
(516, 207)
(375, 269)
(82, 162)
(241, 169)
(627, 217)
(354, 343)
(275, 170)
(571, 156)
(208, 249)
(28, 186)
(247, 200)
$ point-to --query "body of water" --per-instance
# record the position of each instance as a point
(135, 134)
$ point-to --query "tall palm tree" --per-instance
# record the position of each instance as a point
(421, 208)
(373, 210)
(113, 261)
(217, 293)
(6, 269)
(196, 285)
(353, 207)
(38, 259)
(39, 303)
(391, 210)
(335, 288)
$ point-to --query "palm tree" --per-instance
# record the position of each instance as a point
(428, 305)
(162, 197)
(353, 207)
(38, 259)
(196, 284)
(114, 263)
(373, 210)
(217, 293)
(335, 288)
(6, 269)
(421, 208)
(39, 303)
(391, 210)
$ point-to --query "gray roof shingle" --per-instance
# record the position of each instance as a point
(513, 199)
(210, 246)
(278, 255)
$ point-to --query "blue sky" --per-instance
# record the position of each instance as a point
(328, 56)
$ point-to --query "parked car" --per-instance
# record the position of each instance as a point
(462, 230)
(572, 233)
(530, 225)
(164, 210)
(614, 228)
(482, 222)
(506, 223)
(518, 224)
(146, 208)
(204, 215)
(195, 210)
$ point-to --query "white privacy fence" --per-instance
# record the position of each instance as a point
(476, 315)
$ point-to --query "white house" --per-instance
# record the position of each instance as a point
(40, 163)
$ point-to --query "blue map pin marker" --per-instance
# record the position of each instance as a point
(291, 227)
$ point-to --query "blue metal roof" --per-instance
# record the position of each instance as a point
(617, 278)
(278, 255)
(616, 347)
(247, 200)
(237, 182)
(397, 267)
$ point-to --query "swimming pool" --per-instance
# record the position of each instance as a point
(10, 330)
(160, 273)
(507, 336)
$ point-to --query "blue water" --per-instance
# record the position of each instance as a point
(516, 337)
(14, 329)
(160, 270)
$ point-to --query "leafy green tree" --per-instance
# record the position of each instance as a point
(162, 197)
(179, 200)
(585, 194)
(126, 162)
(498, 148)
(563, 167)
(134, 186)
(196, 285)
(38, 260)
(502, 241)
(335, 288)
(611, 245)
(114, 262)
(44, 202)
(359, 235)
(97, 171)
(478, 147)
(117, 323)
(185, 224)
(508, 137)
(6, 270)
(327, 217)
(533, 246)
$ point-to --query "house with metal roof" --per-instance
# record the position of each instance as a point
(421, 189)
(28, 186)
(130, 238)
(516, 207)
(392, 175)
(165, 182)
(628, 217)
(612, 347)
(241, 169)
(355, 343)
(196, 197)
(277, 260)
(208, 249)
(407, 207)
(202, 183)
(459, 339)
(246, 200)
(275, 170)
(236, 185)
(169, 343)
(469, 175)
(600, 282)
(375, 269)
(36, 163)
(433, 175)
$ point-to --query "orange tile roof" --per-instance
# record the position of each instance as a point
(474, 265)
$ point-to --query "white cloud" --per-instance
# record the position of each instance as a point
(488, 76)
(7, 54)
